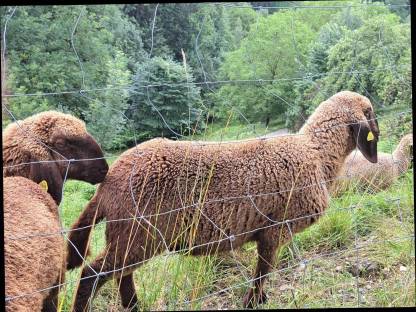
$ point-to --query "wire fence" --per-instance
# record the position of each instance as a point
(248, 199)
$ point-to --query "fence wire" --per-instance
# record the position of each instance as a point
(303, 261)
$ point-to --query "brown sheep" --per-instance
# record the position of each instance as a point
(230, 193)
(359, 172)
(52, 136)
(36, 262)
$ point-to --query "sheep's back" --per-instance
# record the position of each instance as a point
(32, 262)
(13, 154)
(360, 172)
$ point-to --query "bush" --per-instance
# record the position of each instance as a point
(170, 107)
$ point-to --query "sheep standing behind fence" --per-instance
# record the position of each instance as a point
(42, 146)
(227, 194)
(37, 262)
(358, 172)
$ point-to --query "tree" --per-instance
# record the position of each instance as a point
(369, 40)
(380, 51)
(41, 56)
(169, 108)
(273, 51)
(209, 41)
(239, 21)
(169, 24)
(177, 26)
(309, 89)
(106, 118)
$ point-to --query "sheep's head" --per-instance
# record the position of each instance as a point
(361, 120)
(53, 137)
(406, 143)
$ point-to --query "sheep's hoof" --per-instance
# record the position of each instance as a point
(251, 299)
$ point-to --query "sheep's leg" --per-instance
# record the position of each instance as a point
(90, 282)
(128, 292)
(266, 248)
(50, 303)
(114, 262)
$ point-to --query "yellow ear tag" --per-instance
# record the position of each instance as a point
(43, 184)
(370, 136)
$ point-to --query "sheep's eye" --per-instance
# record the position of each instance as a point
(60, 143)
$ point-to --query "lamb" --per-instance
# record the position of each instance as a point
(361, 173)
(37, 146)
(208, 198)
(36, 262)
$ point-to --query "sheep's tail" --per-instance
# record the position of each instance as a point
(79, 236)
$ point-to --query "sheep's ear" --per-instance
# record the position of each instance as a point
(366, 137)
(50, 173)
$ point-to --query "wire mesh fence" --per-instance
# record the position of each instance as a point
(219, 280)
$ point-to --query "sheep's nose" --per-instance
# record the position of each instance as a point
(103, 171)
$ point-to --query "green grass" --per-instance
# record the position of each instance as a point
(358, 226)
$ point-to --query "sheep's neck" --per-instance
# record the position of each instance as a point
(333, 144)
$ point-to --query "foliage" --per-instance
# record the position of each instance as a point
(201, 30)
(41, 58)
(106, 119)
(176, 26)
(209, 43)
(367, 51)
(239, 21)
(399, 7)
(170, 107)
(273, 51)
(171, 26)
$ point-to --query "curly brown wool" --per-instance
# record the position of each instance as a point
(32, 262)
(231, 193)
(48, 136)
(360, 173)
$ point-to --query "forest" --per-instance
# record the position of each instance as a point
(137, 71)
